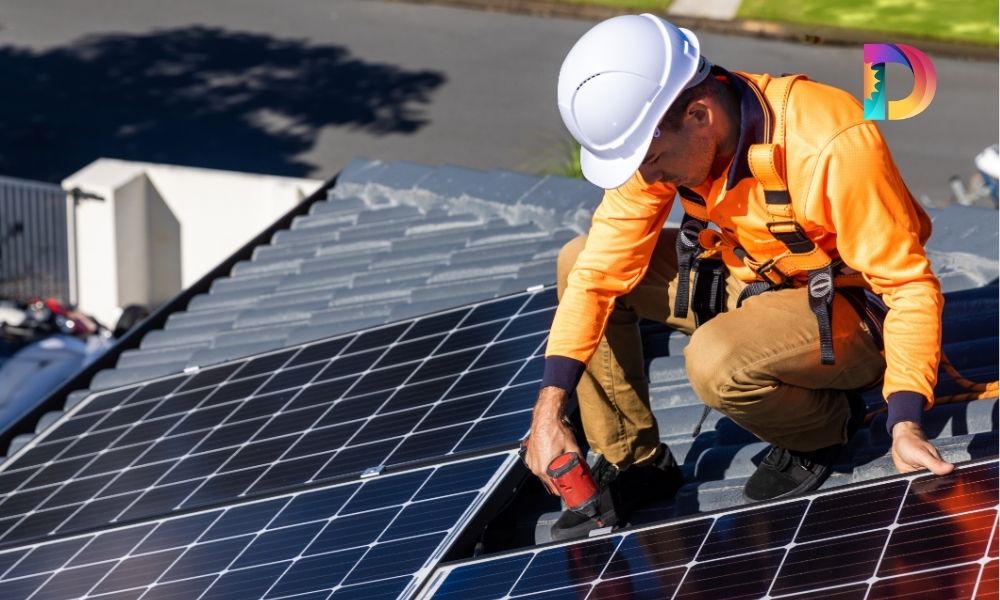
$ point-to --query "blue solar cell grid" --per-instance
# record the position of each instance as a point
(449, 384)
(909, 537)
(374, 539)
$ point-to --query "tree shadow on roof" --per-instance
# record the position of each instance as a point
(196, 96)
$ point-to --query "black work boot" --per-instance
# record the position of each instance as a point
(621, 493)
(785, 473)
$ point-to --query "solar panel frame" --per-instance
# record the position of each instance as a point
(735, 553)
(191, 414)
(287, 545)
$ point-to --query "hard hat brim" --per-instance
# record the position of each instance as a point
(613, 173)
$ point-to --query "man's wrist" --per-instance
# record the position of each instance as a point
(904, 407)
(903, 427)
(551, 403)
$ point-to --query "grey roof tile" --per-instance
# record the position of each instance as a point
(254, 285)
(561, 194)
(365, 248)
(309, 333)
(343, 263)
(397, 175)
(667, 370)
(370, 295)
(348, 205)
(537, 270)
(359, 171)
(392, 213)
(297, 298)
(320, 234)
(259, 317)
(217, 319)
(333, 221)
(497, 253)
(446, 225)
(271, 253)
(406, 276)
(275, 331)
(331, 280)
(177, 336)
(347, 318)
(514, 234)
(503, 186)
(517, 284)
(278, 265)
(227, 300)
(142, 358)
(211, 356)
(480, 288)
(120, 376)
(450, 180)
(482, 270)
(424, 255)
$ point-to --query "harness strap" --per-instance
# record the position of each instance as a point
(821, 302)
(688, 247)
(766, 161)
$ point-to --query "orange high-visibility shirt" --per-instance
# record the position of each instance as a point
(848, 196)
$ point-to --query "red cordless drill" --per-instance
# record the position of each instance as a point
(572, 478)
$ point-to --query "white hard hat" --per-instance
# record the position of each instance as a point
(616, 84)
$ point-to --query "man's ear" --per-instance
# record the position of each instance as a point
(700, 113)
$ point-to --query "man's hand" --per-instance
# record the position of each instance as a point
(549, 436)
(911, 450)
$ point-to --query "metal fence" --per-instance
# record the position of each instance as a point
(34, 245)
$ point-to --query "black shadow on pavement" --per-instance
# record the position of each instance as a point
(195, 96)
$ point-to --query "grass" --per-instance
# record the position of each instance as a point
(652, 6)
(570, 165)
(951, 20)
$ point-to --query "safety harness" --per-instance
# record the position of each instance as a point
(699, 248)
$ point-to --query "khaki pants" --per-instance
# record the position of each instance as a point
(759, 364)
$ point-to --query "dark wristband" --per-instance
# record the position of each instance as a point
(561, 372)
(904, 406)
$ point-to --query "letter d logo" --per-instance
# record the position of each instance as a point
(877, 104)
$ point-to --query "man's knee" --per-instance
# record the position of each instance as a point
(567, 258)
(709, 364)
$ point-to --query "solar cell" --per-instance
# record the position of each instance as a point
(915, 536)
(374, 538)
(391, 396)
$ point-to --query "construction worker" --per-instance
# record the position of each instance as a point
(799, 269)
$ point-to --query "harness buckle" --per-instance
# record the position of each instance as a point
(785, 227)
(769, 272)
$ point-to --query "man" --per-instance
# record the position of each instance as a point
(773, 346)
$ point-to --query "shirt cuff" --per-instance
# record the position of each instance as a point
(904, 406)
(561, 372)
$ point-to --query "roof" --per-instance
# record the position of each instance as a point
(392, 241)
(397, 239)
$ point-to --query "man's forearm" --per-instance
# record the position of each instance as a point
(551, 404)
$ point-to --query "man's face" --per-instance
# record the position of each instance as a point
(682, 157)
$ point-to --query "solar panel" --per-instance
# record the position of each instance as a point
(373, 539)
(908, 537)
(448, 384)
